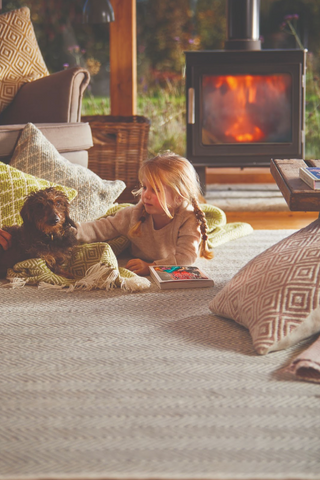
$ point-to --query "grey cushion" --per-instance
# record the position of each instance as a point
(34, 154)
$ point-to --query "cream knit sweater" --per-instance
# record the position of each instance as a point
(175, 244)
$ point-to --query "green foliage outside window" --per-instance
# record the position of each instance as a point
(165, 30)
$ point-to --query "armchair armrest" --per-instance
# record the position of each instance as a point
(51, 99)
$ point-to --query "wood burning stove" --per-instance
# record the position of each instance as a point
(244, 105)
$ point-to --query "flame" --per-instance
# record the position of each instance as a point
(250, 136)
(242, 96)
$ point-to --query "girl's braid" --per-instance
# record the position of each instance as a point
(204, 251)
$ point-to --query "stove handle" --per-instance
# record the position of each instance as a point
(191, 107)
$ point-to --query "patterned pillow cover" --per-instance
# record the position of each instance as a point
(277, 293)
(34, 154)
(20, 57)
(14, 187)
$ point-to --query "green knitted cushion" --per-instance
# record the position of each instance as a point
(15, 186)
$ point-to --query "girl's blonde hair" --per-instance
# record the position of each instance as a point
(176, 173)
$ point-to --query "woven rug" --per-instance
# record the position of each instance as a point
(262, 197)
(150, 385)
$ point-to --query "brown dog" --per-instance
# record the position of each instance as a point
(47, 232)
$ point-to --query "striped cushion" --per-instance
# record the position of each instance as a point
(20, 58)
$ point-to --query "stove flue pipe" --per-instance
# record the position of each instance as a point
(243, 25)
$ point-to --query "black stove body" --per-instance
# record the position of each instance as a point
(244, 105)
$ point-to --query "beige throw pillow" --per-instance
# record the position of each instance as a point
(20, 58)
(277, 294)
(34, 154)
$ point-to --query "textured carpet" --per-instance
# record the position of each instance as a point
(246, 197)
(150, 385)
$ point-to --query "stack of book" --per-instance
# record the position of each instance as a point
(311, 176)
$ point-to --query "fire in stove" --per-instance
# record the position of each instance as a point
(246, 109)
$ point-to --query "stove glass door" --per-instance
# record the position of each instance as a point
(246, 109)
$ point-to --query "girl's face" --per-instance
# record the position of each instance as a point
(150, 200)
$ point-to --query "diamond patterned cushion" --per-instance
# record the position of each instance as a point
(276, 293)
(14, 187)
(34, 154)
(20, 58)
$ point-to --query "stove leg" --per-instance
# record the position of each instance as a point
(201, 171)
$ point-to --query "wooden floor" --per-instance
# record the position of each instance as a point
(273, 220)
(258, 220)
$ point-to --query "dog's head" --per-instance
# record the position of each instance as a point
(46, 210)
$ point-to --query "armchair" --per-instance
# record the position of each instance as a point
(53, 104)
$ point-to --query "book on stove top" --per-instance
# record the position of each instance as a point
(176, 276)
(311, 176)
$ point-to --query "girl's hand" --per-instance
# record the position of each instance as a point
(138, 266)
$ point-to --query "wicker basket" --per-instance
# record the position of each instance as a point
(120, 145)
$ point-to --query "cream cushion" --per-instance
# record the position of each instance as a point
(20, 57)
(277, 294)
(34, 154)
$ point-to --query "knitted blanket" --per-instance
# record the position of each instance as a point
(95, 265)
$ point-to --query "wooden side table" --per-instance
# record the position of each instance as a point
(298, 195)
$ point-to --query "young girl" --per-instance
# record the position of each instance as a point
(167, 226)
